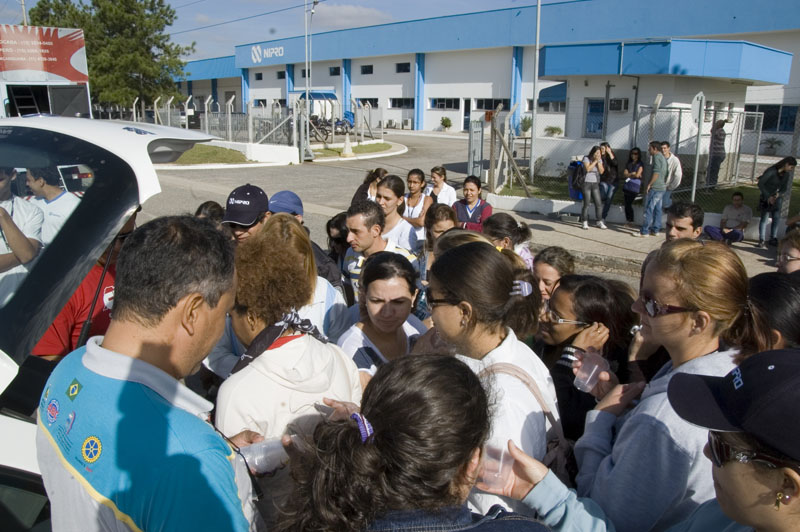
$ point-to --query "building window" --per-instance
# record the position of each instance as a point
(281, 74)
(548, 107)
(777, 118)
(401, 68)
(259, 102)
(490, 104)
(373, 102)
(445, 103)
(401, 103)
(282, 102)
(366, 70)
(259, 76)
(334, 71)
(303, 73)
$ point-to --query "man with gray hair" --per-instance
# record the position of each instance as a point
(122, 444)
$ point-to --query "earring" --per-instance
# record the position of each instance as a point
(463, 323)
(780, 498)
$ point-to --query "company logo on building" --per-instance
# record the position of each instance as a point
(257, 53)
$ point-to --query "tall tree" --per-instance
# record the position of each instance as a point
(128, 52)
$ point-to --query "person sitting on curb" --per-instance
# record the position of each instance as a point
(735, 219)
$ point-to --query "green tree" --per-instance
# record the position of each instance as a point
(128, 52)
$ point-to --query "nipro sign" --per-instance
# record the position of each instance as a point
(258, 53)
(32, 53)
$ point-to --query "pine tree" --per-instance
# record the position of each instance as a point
(128, 52)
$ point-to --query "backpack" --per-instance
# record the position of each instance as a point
(578, 175)
(560, 454)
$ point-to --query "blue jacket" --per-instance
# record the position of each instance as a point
(456, 518)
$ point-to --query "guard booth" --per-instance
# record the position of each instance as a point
(43, 70)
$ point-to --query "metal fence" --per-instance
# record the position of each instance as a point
(705, 181)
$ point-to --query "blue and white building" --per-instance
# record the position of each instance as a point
(743, 55)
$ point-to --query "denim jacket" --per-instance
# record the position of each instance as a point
(456, 518)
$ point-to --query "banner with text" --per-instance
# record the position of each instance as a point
(35, 54)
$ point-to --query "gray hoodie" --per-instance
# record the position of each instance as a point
(646, 470)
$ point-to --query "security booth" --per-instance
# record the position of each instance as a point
(43, 71)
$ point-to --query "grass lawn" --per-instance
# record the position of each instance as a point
(711, 201)
(206, 154)
(364, 148)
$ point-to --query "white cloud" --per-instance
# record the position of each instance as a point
(339, 16)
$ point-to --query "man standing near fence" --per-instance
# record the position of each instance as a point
(674, 173)
(654, 192)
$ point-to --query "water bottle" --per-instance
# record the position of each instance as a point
(265, 457)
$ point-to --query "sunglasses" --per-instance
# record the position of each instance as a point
(432, 302)
(654, 308)
(555, 318)
(722, 453)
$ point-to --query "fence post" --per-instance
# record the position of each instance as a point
(186, 110)
(700, 116)
(134, 108)
(678, 139)
(229, 111)
(250, 122)
(206, 110)
(169, 111)
(156, 112)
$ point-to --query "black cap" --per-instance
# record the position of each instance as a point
(760, 397)
(244, 205)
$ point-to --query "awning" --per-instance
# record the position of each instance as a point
(316, 94)
(731, 60)
(556, 93)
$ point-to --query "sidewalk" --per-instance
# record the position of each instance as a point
(614, 249)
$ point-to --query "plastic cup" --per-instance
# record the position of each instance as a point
(496, 467)
(592, 364)
(266, 456)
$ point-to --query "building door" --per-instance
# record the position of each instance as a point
(594, 118)
(467, 109)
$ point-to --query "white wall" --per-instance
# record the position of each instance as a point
(269, 88)
(384, 83)
(465, 74)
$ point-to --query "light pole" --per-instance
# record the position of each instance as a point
(307, 16)
(24, 14)
(535, 89)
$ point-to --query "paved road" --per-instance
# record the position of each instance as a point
(325, 188)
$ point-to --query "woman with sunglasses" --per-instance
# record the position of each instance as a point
(585, 311)
(388, 290)
(477, 294)
(694, 302)
(754, 452)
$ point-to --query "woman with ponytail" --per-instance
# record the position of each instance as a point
(406, 462)
(504, 231)
(481, 302)
(369, 188)
(694, 302)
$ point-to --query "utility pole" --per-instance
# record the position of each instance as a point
(24, 14)
(535, 91)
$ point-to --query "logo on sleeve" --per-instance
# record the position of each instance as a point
(74, 389)
(91, 449)
(52, 411)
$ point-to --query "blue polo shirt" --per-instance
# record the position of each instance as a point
(122, 445)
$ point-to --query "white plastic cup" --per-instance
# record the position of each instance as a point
(496, 467)
(265, 456)
(592, 364)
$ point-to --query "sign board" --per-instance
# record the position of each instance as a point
(697, 107)
(38, 54)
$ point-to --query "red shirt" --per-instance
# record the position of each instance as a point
(61, 337)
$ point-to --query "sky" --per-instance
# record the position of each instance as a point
(328, 15)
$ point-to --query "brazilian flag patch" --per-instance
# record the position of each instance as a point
(74, 389)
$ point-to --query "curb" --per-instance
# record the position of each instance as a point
(596, 261)
(388, 153)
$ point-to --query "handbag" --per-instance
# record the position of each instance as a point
(560, 454)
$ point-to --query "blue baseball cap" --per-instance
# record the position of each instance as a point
(286, 201)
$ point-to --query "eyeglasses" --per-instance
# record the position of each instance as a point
(654, 308)
(722, 453)
(432, 302)
(555, 318)
(785, 257)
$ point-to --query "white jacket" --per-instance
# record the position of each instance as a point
(282, 385)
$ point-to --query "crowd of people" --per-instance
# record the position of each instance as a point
(420, 372)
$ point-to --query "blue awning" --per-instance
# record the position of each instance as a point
(316, 94)
(556, 93)
(733, 60)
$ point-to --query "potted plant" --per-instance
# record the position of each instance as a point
(771, 145)
(525, 126)
(446, 123)
(553, 131)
